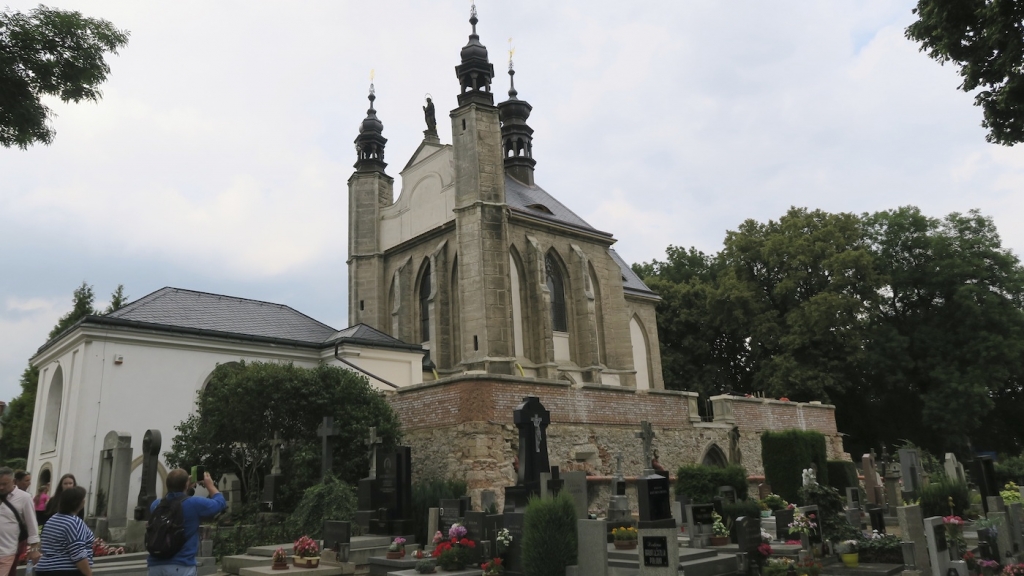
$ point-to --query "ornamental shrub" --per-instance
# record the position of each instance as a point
(787, 454)
(834, 525)
(1007, 469)
(700, 483)
(330, 500)
(842, 475)
(935, 498)
(883, 549)
(549, 535)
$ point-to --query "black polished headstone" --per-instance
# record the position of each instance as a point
(728, 494)
(475, 530)
(150, 460)
(532, 420)
(877, 516)
(984, 475)
(655, 551)
(514, 555)
(337, 532)
(450, 513)
(655, 502)
(783, 518)
(748, 533)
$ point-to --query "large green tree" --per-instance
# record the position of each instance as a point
(244, 404)
(49, 52)
(913, 326)
(985, 38)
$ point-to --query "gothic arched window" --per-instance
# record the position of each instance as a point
(556, 287)
(425, 305)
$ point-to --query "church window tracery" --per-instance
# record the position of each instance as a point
(556, 288)
(425, 304)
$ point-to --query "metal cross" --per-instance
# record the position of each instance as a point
(646, 434)
(537, 432)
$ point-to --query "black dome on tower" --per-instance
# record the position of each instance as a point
(516, 134)
(475, 71)
(370, 142)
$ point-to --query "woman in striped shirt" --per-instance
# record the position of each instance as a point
(67, 541)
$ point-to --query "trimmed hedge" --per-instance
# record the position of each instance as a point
(427, 494)
(785, 456)
(842, 475)
(935, 498)
(549, 535)
(700, 483)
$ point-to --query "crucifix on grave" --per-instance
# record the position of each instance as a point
(532, 420)
(372, 442)
(328, 431)
(646, 434)
(275, 453)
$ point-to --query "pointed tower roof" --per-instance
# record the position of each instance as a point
(370, 142)
(475, 71)
(516, 134)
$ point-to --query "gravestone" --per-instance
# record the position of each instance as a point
(367, 493)
(815, 536)
(532, 420)
(150, 462)
(474, 522)
(893, 493)
(488, 500)
(910, 471)
(853, 512)
(783, 518)
(853, 497)
(576, 486)
(988, 544)
(876, 515)
(984, 476)
(591, 548)
(115, 471)
(911, 520)
(699, 520)
(659, 552)
(450, 513)
(372, 442)
(658, 545)
(231, 487)
(954, 470)
(338, 537)
(727, 494)
(871, 483)
(1015, 516)
(748, 534)
(654, 500)
(492, 524)
(763, 490)
(1004, 538)
(513, 522)
(327, 431)
(996, 504)
(938, 552)
(551, 483)
(393, 484)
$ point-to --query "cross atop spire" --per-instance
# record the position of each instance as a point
(475, 71)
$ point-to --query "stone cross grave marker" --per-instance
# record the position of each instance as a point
(150, 460)
(275, 453)
(328, 431)
(646, 436)
(532, 420)
(372, 443)
(231, 487)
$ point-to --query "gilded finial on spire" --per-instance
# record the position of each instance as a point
(511, 52)
(373, 93)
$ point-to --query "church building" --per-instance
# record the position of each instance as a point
(473, 289)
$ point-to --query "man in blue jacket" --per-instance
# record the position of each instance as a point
(192, 510)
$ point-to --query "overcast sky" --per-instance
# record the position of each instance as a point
(218, 157)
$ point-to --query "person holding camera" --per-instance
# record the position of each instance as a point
(178, 506)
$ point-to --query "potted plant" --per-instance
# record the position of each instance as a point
(453, 554)
(766, 512)
(503, 540)
(802, 524)
(775, 502)
(719, 531)
(624, 537)
(305, 553)
(397, 549)
(493, 568)
(280, 559)
(848, 552)
(425, 567)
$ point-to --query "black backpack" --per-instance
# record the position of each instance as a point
(165, 531)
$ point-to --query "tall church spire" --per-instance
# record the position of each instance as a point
(516, 134)
(370, 142)
(475, 71)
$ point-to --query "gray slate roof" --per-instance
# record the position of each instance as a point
(521, 196)
(189, 311)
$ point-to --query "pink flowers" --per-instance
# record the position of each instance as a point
(457, 531)
(305, 547)
(953, 520)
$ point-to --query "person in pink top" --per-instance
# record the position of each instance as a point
(42, 497)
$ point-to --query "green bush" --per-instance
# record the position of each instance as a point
(329, 500)
(700, 483)
(785, 456)
(16, 463)
(886, 549)
(834, 525)
(732, 511)
(1007, 470)
(842, 475)
(935, 498)
(549, 535)
(427, 494)
(250, 529)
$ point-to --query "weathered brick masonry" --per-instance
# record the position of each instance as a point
(461, 427)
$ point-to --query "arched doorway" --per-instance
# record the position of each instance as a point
(714, 456)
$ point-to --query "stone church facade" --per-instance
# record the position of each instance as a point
(512, 294)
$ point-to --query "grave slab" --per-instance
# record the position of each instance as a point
(912, 527)
(592, 548)
(269, 571)
(938, 555)
(659, 551)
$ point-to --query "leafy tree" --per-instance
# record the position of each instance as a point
(117, 300)
(49, 52)
(244, 404)
(81, 306)
(985, 39)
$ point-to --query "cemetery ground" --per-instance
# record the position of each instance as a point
(891, 515)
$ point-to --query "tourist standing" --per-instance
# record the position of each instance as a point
(67, 482)
(193, 509)
(66, 540)
(42, 497)
(17, 522)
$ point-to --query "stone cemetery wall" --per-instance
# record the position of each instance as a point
(462, 428)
